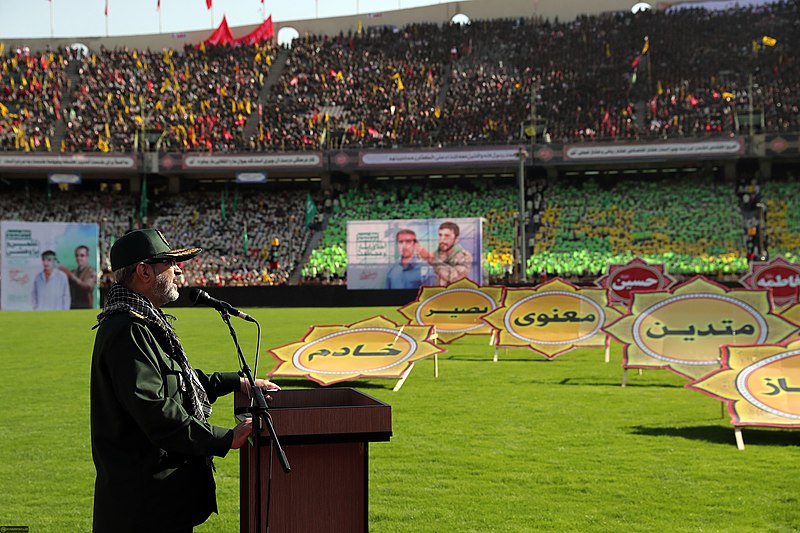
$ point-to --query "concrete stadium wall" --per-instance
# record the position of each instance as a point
(439, 13)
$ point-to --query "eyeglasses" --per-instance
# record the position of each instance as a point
(168, 262)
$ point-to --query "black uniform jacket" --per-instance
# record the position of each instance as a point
(153, 458)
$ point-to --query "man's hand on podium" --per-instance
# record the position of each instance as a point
(264, 384)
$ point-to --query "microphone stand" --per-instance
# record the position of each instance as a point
(261, 418)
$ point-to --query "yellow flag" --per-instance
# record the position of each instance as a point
(646, 45)
(728, 96)
(769, 41)
(660, 89)
(437, 112)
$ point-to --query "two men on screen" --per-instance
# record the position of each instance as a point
(450, 262)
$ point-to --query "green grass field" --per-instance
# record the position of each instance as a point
(520, 445)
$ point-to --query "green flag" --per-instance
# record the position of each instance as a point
(143, 199)
(245, 240)
(311, 210)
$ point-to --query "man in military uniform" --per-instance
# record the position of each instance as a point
(152, 443)
(451, 262)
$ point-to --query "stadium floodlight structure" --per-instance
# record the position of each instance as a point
(523, 276)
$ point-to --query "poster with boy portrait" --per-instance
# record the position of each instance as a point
(48, 266)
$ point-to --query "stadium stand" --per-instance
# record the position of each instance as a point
(31, 88)
(690, 223)
(682, 74)
(782, 217)
(479, 198)
(194, 217)
(687, 72)
(194, 99)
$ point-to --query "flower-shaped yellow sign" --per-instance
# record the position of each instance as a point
(455, 310)
(683, 329)
(792, 313)
(372, 348)
(553, 318)
(760, 383)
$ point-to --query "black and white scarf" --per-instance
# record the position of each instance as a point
(122, 300)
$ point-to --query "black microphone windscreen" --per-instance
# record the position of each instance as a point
(195, 295)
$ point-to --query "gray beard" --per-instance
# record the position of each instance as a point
(165, 289)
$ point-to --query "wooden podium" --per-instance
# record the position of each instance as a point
(325, 434)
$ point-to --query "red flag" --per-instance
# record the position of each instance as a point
(263, 33)
(158, 6)
(106, 11)
(208, 4)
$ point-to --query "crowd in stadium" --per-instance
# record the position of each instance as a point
(577, 226)
(681, 73)
(197, 99)
(253, 238)
(32, 85)
(686, 72)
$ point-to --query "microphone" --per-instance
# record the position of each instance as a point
(199, 296)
